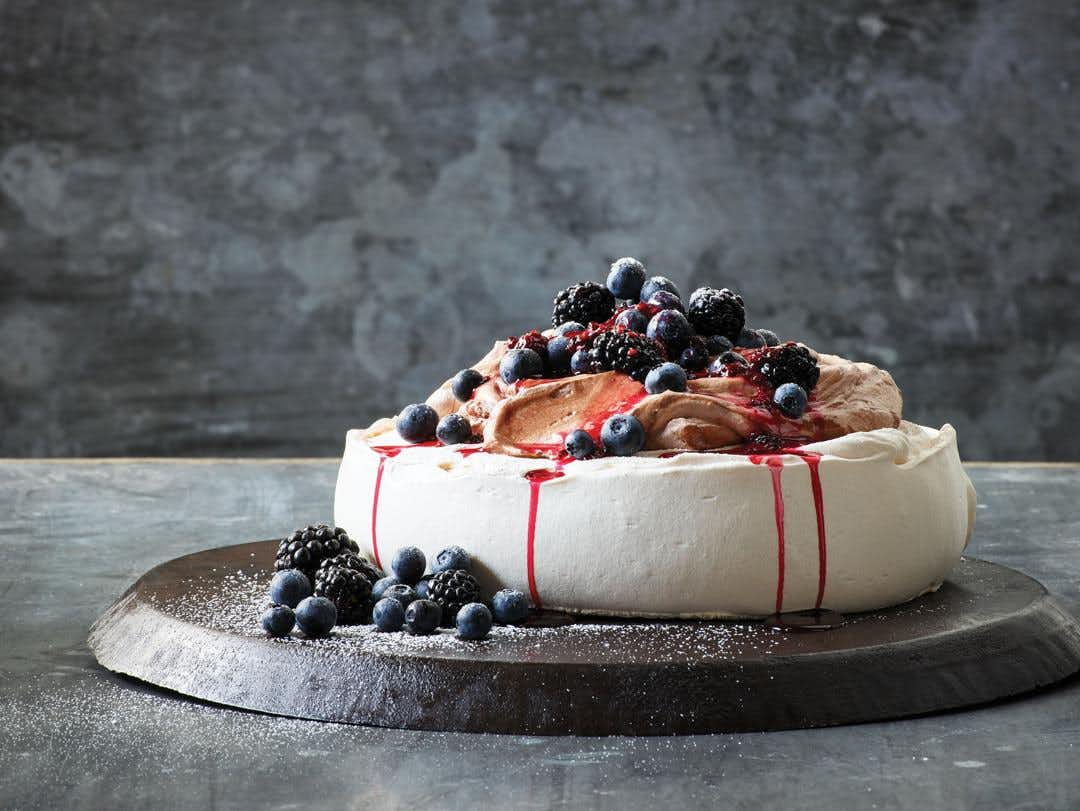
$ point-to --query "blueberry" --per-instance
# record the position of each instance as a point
(402, 593)
(725, 359)
(655, 283)
(750, 339)
(388, 615)
(289, 588)
(666, 377)
(695, 356)
(473, 621)
(408, 565)
(278, 620)
(510, 606)
(666, 300)
(422, 617)
(423, 588)
(717, 344)
(622, 435)
(626, 277)
(565, 328)
(417, 423)
(670, 328)
(559, 351)
(770, 337)
(454, 429)
(790, 399)
(465, 383)
(518, 364)
(453, 557)
(581, 362)
(579, 444)
(381, 586)
(315, 616)
(633, 319)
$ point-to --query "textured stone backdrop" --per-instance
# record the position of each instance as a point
(243, 227)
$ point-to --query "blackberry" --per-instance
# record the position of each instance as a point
(627, 352)
(306, 548)
(584, 302)
(343, 582)
(717, 312)
(789, 363)
(451, 590)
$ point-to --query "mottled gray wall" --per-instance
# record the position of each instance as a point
(242, 227)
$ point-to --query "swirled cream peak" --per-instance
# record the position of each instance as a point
(533, 417)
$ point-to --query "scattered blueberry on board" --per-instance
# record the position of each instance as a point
(473, 621)
(388, 615)
(510, 606)
(453, 557)
(316, 617)
(417, 423)
(278, 620)
(408, 565)
(422, 617)
(289, 587)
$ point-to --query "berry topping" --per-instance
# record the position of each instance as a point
(626, 277)
(417, 423)
(422, 617)
(316, 616)
(465, 383)
(696, 356)
(579, 444)
(343, 581)
(453, 557)
(718, 344)
(289, 587)
(665, 300)
(278, 620)
(632, 319)
(790, 399)
(388, 615)
(559, 350)
(532, 340)
(585, 302)
(306, 548)
(473, 621)
(655, 283)
(750, 339)
(568, 327)
(770, 337)
(717, 312)
(581, 362)
(670, 328)
(454, 429)
(729, 364)
(627, 352)
(622, 435)
(510, 606)
(402, 593)
(666, 377)
(518, 364)
(452, 589)
(789, 363)
(408, 565)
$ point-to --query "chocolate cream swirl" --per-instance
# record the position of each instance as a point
(531, 418)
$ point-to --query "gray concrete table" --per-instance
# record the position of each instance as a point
(74, 534)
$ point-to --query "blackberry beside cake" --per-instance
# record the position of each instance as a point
(655, 458)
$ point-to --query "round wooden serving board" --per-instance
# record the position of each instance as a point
(191, 625)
